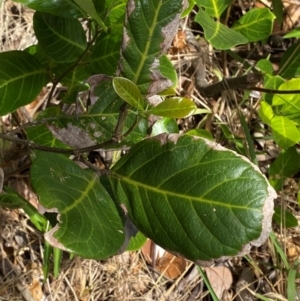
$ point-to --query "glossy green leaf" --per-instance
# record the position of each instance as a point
(289, 65)
(256, 24)
(285, 132)
(89, 7)
(165, 125)
(129, 92)
(284, 218)
(219, 36)
(265, 112)
(214, 8)
(175, 107)
(149, 31)
(198, 200)
(286, 165)
(63, 8)
(89, 224)
(21, 79)
(62, 39)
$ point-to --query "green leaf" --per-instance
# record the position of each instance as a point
(21, 79)
(167, 70)
(286, 165)
(98, 124)
(174, 107)
(289, 65)
(129, 92)
(40, 134)
(73, 80)
(63, 8)
(295, 33)
(265, 66)
(214, 8)
(88, 7)
(256, 24)
(89, 224)
(265, 112)
(278, 9)
(105, 55)
(273, 83)
(136, 242)
(165, 125)
(218, 35)
(285, 218)
(290, 102)
(292, 288)
(62, 39)
(193, 198)
(191, 4)
(149, 31)
(200, 133)
(11, 199)
(285, 132)
(116, 17)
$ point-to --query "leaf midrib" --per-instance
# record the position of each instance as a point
(183, 196)
(144, 56)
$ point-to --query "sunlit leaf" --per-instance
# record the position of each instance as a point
(193, 198)
(285, 132)
(175, 107)
(129, 92)
(149, 31)
(218, 34)
(165, 125)
(256, 24)
(265, 112)
(295, 33)
(214, 8)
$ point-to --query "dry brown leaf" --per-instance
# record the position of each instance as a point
(220, 279)
(163, 262)
(36, 290)
(170, 265)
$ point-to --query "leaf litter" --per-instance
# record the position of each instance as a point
(129, 276)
